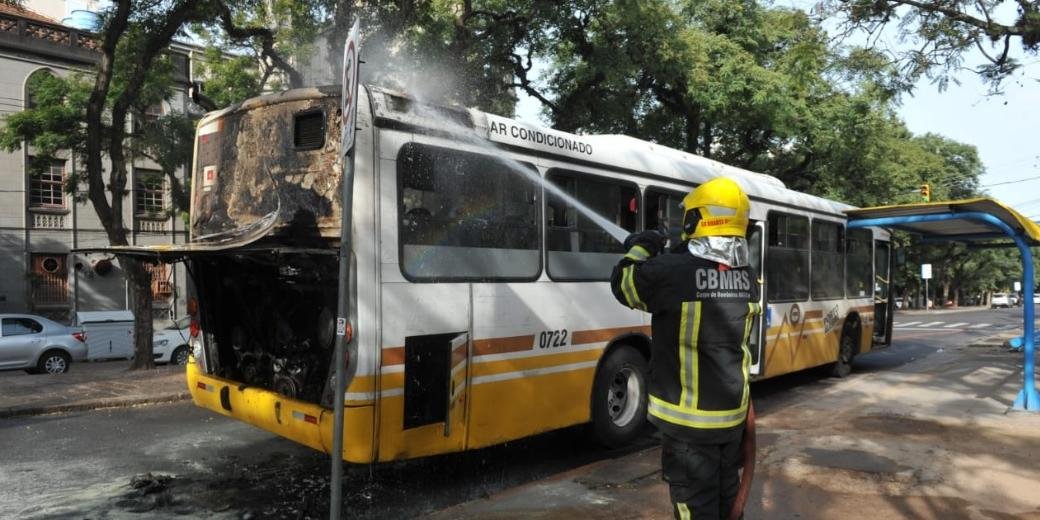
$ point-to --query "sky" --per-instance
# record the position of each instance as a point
(1004, 128)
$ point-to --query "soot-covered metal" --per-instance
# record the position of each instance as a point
(269, 309)
(248, 167)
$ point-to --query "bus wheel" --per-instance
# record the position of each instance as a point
(619, 397)
(846, 351)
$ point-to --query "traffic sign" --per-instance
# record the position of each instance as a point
(348, 98)
(926, 271)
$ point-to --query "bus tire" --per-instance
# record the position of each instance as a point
(619, 397)
(847, 349)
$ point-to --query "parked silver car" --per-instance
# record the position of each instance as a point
(38, 345)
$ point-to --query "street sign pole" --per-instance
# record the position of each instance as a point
(344, 331)
(926, 274)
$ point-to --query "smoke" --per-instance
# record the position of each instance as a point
(387, 61)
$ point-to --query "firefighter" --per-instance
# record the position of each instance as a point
(703, 297)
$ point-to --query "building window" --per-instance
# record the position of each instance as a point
(162, 286)
(149, 194)
(50, 279)
(46, 188)
(152, 114)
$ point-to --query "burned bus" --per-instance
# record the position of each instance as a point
(479, 299)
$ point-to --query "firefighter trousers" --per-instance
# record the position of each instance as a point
(702, 478)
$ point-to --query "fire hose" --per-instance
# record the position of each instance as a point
(747, 448)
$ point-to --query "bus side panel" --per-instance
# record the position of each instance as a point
(412, 312)
(536, 355)
(866, 325)
(798, 338)
(806, 334)
(522, 406)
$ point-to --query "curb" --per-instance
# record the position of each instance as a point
(24, 411)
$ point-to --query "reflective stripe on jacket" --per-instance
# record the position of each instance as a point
(702, 318)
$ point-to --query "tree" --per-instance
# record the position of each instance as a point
(941, 32)
(88, 116)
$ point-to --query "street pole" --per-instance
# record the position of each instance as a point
(342, 328)
(344, 332)
(925, 294)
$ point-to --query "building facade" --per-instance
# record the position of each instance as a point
(43, 218)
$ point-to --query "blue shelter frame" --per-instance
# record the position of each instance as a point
(973, 221)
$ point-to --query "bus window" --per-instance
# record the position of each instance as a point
(828, 260)
(860, 274)
(578, 248)
(663, 209)
(465, 216)
(787, 258)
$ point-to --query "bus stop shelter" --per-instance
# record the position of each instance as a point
(973, 221)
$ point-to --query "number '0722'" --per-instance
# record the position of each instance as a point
(552, 338)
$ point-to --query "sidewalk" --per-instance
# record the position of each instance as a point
(930, 440)
(87, 386)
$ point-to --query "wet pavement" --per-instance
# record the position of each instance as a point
(920, 430)
(931, 438)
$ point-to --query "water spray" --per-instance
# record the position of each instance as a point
(466, 134)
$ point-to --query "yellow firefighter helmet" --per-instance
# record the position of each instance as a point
(718, 207)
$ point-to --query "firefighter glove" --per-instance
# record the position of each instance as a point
(651, 240)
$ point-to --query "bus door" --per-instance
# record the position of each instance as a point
(882, 301)
(756, 254)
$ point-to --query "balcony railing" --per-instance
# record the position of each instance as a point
(48, 221)
(42, 37)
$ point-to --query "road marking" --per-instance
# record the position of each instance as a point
(932, 324)
(907, 324)
(979, 325)
(952, 325)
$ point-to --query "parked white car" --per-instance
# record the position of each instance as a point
(170, 345)
(1000, 300)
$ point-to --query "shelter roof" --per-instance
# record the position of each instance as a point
(958, 229)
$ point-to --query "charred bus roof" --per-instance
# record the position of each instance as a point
(390, 108)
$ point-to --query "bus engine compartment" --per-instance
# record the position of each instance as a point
(269, 319)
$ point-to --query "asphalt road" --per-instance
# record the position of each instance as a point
(79, 465)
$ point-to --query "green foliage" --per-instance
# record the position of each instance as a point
(229, 79)
(53, 123)
(937, 34)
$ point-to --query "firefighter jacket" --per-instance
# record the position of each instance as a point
(702, 317)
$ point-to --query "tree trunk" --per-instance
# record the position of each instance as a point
(693, 128)
(141, 296)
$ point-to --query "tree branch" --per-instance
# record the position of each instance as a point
(958, 16)
(117, 25)
(520, 70)
(266, 37)
(138, 73)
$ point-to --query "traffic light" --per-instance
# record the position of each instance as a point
(926, 193)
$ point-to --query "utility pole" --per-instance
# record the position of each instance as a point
(926, 274)
(344, 332)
